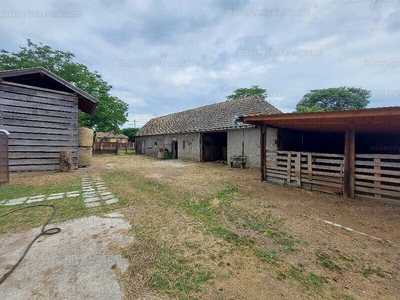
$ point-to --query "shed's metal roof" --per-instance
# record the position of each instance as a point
(379, 120)
(43, 78)
(218, 116)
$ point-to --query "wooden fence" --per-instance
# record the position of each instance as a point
(314, 171)
(103, 148)
(377, 176)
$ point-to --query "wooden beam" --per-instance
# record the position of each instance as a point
(349, 162)
(263, 152)
(309, 165)
(297, 168)
(289, 166)
(377, 169)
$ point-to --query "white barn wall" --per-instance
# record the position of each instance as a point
(188, 144)
(189, 147)
(251, 138)
(191, 142)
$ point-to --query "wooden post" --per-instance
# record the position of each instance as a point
(377, 174)
(297, 169)
(263, 152)
(289, 167)
(309, 161)
(349, 162)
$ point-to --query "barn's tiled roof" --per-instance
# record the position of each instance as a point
(218, 116)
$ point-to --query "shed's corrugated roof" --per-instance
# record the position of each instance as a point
(218, 116)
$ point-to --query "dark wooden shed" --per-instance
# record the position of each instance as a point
(40, 111)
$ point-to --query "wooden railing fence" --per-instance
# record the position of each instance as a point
(377, 176)
(102, 148)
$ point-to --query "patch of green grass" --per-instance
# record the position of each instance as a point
(266, 255)
(309, 282)
(13, 191)
(268, 226)
(327, 261)
(174, 276)
(348, 296)
(122, 151)
(227, 195)
(370, 270)
(224, 277)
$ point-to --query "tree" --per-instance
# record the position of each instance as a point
(342, 98)
(130, 132)
(245, 92)
(110, 112)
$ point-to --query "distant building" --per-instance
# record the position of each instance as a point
(111, 137)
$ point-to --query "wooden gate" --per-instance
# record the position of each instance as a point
(4, 157)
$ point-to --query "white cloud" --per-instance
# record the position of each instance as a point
(346, 33)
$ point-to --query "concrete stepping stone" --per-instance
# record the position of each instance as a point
(112, 201)
(73, 194)
(16, 201)
(92, 204)
(106, 197)
(89, 194)
(56, 196)
(93, 199)
(38, 198)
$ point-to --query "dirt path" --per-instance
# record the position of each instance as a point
(247, 239)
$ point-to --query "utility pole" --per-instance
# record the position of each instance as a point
(134, 123)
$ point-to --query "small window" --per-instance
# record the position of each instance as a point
(183, 145)
(155, 143)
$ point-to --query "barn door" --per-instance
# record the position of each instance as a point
(4, 161)
(175, 149)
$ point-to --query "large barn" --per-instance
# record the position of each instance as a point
(40, 111)
(208, 133)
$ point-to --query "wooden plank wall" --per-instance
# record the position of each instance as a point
(41, 123)
(313, 171)
(4, 169)
(378, 177)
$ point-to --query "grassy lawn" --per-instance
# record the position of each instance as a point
(67, 208)
(202, 234)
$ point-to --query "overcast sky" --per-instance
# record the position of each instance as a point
(163, 57)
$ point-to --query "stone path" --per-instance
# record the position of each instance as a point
(94, 192)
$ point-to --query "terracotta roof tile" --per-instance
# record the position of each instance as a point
(218, 116)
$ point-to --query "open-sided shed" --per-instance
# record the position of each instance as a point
(40, 111)
(353, 152)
